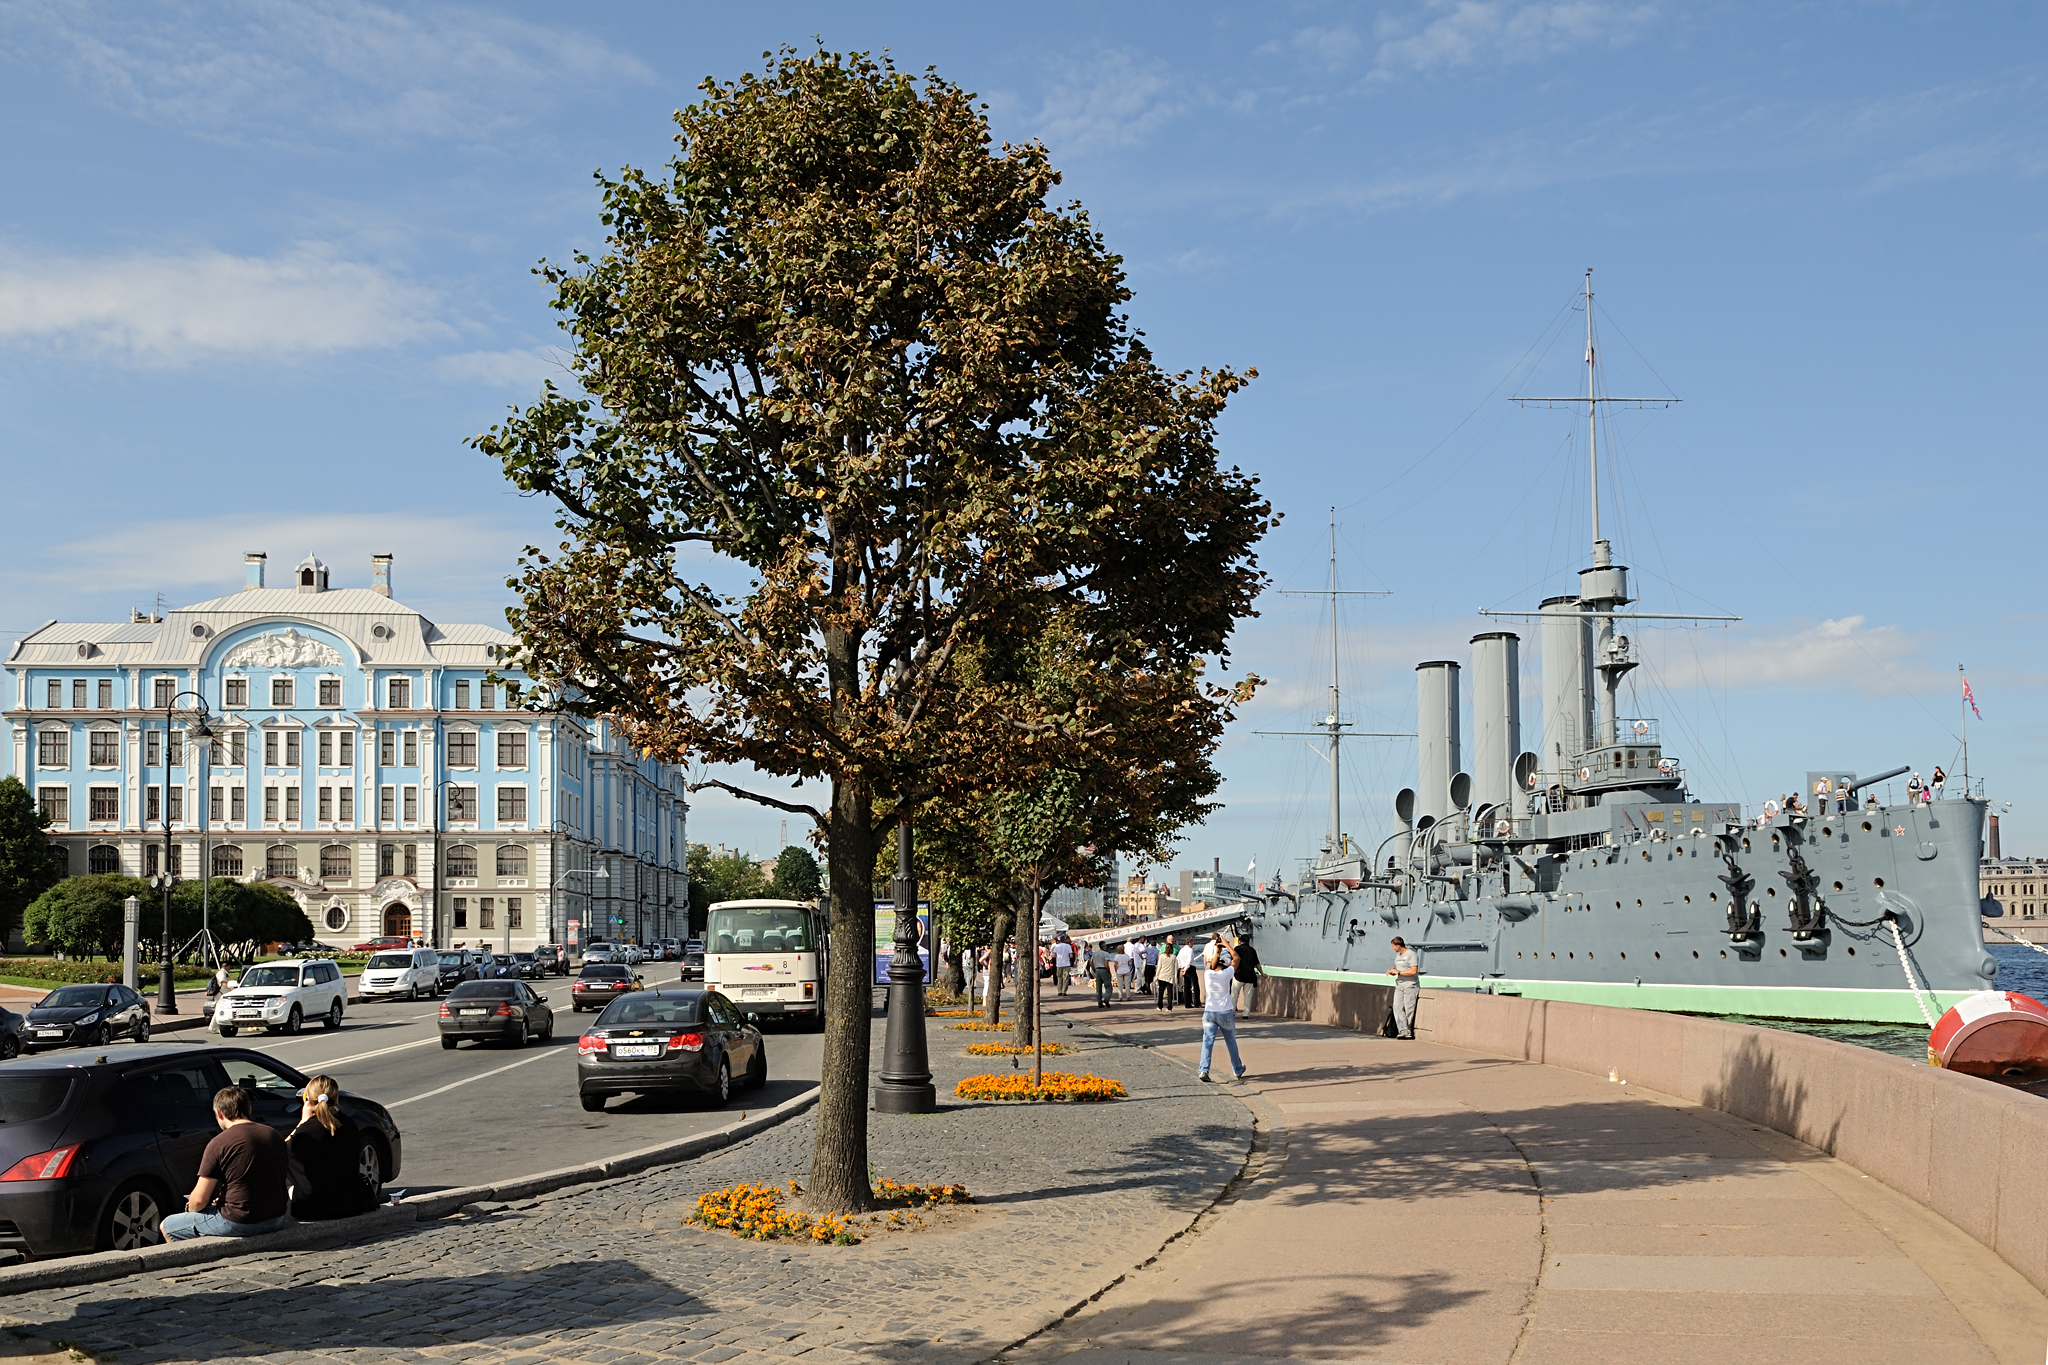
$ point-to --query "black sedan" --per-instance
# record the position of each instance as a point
(601, 983)
(495, 1011)
(94, 1153)
(528, 966)
(693, 965)
(86, 1016)
(554, 958)
(694, 1042)
(456, 968)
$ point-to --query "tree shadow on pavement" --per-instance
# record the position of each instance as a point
(1272, 1315)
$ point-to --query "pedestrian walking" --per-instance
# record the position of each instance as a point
(1121, 965)
(1185, 960)
(1098, 967)
(1151, 963)
(1062, 964)
(245, 1166)
(1407, 974)
(1167, 984)
(326, 1181)
(1936, 783)
(1218, 971)
(1247, 974)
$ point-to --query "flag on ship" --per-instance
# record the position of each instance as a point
(1971, 699)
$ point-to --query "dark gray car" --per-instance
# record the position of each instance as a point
(495, 1011)
(689, 1041)
(86, 1016)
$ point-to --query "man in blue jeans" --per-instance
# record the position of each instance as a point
(1218, 1014)
(246, 1166)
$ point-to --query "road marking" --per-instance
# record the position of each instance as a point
(380, 1052)
(480, 1076)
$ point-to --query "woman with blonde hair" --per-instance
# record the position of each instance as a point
(326, 1151)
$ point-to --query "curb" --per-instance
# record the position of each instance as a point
(102, 1266)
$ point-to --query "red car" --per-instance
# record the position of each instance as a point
(378, 945)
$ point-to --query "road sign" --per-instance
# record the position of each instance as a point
(574, 926)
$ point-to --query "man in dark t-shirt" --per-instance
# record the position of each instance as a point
(246, 1166)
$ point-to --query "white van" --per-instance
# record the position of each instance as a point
(410, 972)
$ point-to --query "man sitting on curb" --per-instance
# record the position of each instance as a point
(246, 1164)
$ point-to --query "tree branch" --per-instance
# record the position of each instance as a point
(794, 808)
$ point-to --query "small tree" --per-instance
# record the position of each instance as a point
(26, 867)
(83, 915)
(797, 877)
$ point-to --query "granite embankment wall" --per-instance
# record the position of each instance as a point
(1973, 1151)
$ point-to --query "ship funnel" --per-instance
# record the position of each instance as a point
(1436, 730)
(1404, 811)
(1567, 683)
(1496, 716)
(1461, 791)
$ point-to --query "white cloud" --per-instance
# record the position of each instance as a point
(343, 65)
(507, 369)
(1843, 655)
(1112, 101)
(168, 309)
(1453, 33)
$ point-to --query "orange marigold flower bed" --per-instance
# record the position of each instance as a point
(979, 1027)
(756, 1211)
(1057, 1086)
(957, 1014)
(920, 1196)
(1010, 1049)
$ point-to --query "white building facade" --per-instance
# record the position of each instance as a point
(382, 768)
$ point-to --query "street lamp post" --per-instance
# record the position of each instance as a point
(596, 873)
(905, 1085)
(197, 716)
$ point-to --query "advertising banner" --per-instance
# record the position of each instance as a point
(885, 939)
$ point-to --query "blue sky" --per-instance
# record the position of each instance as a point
(264, 266)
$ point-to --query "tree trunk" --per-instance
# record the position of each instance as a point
(997, 939)
(839, 1160)
(953, 976)
(1027, 968)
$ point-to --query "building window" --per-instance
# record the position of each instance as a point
(514, 913)
(511, 748)
(217, 806)
(152, 805)
(53, 694)
(106, 696)
(462, 749)
(490, 697)
(326, 749)
(486, 913)
(462, 803)
(512, 804)
(412, 860)
(387, 860)
(412, 804)
(461, 861)
(462, 912)
(152, 748)
(150, 853)
(330, 691)
(270, 807)
(235, 692)
(55, 804)
(177, 795)
(176, 755)
(462, 696)
(387, 804)
(103, 748)
(345, 749)
(53, 748)
(227, 861)
(345, 804)
(511, 695)
(335, 917)
(291, 748)
(238, 748)
(291, 804)
(387, 748)
(412, 749)
(334, 863)
(281, 692)
(105, 802)
(78, 694)
(101, 859)
(281, 860)
(511, 860)
(238, 803)
(399, 694)
(326, 803)
(270, 748)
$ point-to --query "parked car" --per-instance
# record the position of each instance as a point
(456, 967)
(94, 1153)
(632, 954)
(598, 950)
(554, 957)
(86, 1016)
(651, 1042)
(407, 972)
(500, 1011)
(282, 996)
(12, 1029)
(529, 966)
(600, 983)
(693, 964)
(378, 945)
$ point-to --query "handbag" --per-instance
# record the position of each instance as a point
(1387, 1027)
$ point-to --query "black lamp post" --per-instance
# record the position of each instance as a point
(197, 716)
(905, 1086)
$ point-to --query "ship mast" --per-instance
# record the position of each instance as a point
(1592, 411)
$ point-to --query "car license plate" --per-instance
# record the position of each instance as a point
(636, 1049)
(49, 1033)
(758, 993)
(470, 1012)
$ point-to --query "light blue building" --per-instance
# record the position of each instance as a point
(382, 768)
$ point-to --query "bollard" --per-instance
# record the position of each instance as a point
(131, 925)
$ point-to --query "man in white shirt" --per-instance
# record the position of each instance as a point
(1218, 1014)
(1062, 965)
(1184, 963)
(1407, 974)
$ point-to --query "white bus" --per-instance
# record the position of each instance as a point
(768, 958)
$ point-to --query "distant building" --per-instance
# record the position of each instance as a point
(383, 769)
(2020, 885)
(1139, 900)
(1068, 901)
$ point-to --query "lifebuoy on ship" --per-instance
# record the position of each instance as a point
(1503, 828)
(1770, 808)
(1642, 727)
(1667, 766)
(1998, 1035)
(1585, 774)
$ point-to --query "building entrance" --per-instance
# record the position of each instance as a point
(397, 922)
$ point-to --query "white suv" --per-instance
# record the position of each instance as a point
(410, 972)
(283, 996)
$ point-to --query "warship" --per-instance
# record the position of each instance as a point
(1588, 869)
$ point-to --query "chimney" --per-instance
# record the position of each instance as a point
(1436, 727)
(252, 570)
(1496, 717)
(380, 575)
(1216, 867)
(1994, 839)
(1567, 642)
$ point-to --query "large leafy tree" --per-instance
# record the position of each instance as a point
(797, 877)
(83, 915)
(27, 867)
(857, 397)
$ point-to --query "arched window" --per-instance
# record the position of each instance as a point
(227, 861)
(336, 861)
(511, 860)
(107, 858)
(281, 860)
(462, 861)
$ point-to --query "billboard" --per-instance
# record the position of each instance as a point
(885, 939)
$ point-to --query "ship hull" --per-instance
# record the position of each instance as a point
(1643, 924)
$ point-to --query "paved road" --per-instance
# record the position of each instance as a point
(489, 1112)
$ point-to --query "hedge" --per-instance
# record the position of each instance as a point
(49, 969)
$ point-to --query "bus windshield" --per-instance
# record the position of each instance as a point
(759, 929)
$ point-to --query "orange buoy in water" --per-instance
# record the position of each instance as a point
(1999, 1035)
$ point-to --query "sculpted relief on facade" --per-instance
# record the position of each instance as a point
(287, 650)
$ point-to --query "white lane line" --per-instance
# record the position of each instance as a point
(480, 1076)
(380, 1052)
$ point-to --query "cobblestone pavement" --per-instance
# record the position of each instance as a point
(1068, 1197)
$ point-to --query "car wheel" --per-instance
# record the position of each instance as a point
(520, 1035)
(142, 1030)
(134, 1218)
(294, 1021)
(10, 1047)
(412, 992)
(227, 1030)
(757, 1070)
(547, 1032)
(593, 1104)
(333, 1019)
(370, 1165)
(721, 1089)
(447, 1044)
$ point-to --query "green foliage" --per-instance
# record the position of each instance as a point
(87, 973)
(26, 867)
(1083, 921)
(244, 915)
(731, 877)
(83, 914)
(797, 877)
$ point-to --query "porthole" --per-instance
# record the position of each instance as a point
(1774, 841)
(1838, 886)
(1724, 952)
(1877, 882)
(1781, 952)
(1553, 957)
(1617, 904)
(1695, 952)
(1745, 844)
(1624, 957)
(1646, 855)
(1852, 952)
(1713, 895)
(1770, 891)
(1866, 827)
(1688, 900)
(1825, 831)
(1639, 902)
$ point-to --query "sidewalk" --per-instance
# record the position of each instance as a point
(1418, 1203)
